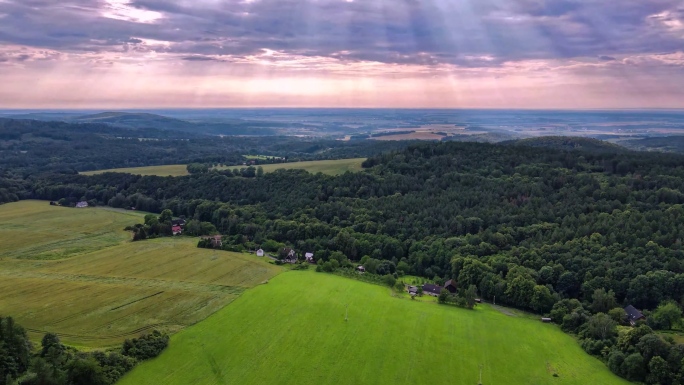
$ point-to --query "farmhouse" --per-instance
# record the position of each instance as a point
(451, 286)
(413, 290)
(81, 205)
(309, 257)
(216, 240)
(176, 230)
(633, 315)
(432, 289)
(260, 253)
(361, 269)
(290, 255)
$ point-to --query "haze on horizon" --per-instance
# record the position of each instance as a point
(341, 53)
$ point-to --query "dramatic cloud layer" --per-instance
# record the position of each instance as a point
(444, 53)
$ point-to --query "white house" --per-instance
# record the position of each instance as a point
(260, 253)
(309, 257)
(82, 204)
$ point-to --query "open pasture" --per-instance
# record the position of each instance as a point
(97, 298)
(330, 167)
(293, 331)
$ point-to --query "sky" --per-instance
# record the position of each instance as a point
(117, 54)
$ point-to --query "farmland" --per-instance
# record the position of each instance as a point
(293, 331)
(166, 170)
(105, 288)
(330, 167)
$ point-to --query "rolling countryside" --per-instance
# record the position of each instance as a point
(293, 331)
(102, 288)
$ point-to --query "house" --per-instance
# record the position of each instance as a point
(361, 269)
(451, 286)
(478, 300)
(216, 240)
(81, 205)
(260, 253)
(633, 315)
(309, 257)
(431, 289)
(53, 203)
(413, 290)
(178, 222)
(546, 320)
(291, 256)
(176, 230)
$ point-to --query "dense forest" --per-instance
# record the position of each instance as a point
(597, 220)
(573, 233)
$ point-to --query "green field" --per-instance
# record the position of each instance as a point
(292, 331)
(330, 167)
(167, 170)
(105, 288)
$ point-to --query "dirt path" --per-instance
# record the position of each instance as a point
(504, 310)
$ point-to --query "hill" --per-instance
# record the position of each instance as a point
(293, 331)
(662, 144)
(568, 143)
(74, 272)
(136, 120)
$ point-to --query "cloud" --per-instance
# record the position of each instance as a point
(200, 58)
(405, 31)
(416, 39)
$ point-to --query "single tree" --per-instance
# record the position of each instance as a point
(600, 326)
(603, 301)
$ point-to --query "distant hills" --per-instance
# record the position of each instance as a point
(662, 144)
(568, 143)
(136, 120)
(141, 120)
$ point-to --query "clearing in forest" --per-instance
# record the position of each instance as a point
(330, 167)
(105, 288)
(293, 331)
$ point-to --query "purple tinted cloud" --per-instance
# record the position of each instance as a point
(470, 33)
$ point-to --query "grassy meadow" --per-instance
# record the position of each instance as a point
(105, 288)
(166, 170)
(330, 167)
(293, 331)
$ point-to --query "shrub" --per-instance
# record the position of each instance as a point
(146, 347)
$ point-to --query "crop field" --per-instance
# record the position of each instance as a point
(36, 230)
(417, 135)
(293, 331)
(330, 167)
(97, 297)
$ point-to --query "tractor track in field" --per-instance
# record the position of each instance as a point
(167, 285)
(86, 337)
